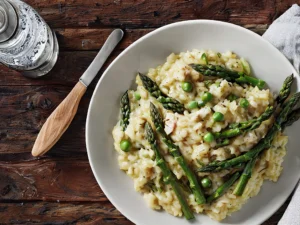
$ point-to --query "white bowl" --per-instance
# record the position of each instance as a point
(151, 50)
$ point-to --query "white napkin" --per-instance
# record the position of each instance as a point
(284, 34)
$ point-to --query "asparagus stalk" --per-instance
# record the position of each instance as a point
(223, 188)
(285, 89)
(239, 128)
(169, 177)
(283, 95)
(125, 110)
(239, 190)
(230, 75)
(265, 143)
(246, 175)
(293, 117)
(175, 152)
(167, 102)
(287, 109)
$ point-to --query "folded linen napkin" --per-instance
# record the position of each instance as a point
(284, 34)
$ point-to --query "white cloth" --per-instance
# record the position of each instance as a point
(284, 34)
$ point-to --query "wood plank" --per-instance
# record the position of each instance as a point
(74, 213)
(24, 110)
(102, 213)
(155, 13)
(80, 39)
(49, 179)
(83, 39)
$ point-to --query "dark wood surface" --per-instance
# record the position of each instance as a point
(59, 188)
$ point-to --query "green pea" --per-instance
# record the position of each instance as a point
(244, 103)
(208, 137)
(137, 96)
(193, 105)
(206, 182)
(187, 86)
(207, 97)
(125, 145)
(218, 117)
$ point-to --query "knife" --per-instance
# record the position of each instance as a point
(60, 119)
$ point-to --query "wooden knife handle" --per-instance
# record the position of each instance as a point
(58, 122)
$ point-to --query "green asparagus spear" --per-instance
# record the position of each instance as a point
(288, 107)
(169, 177)
(282, 96)
(167, 102)
(223, 188)
(230, 75)
(285, 90)
(246, 175)
(175, 152)
(125, 111)
(293, 117)
(239, 128)
(265, 143)
(254, 123)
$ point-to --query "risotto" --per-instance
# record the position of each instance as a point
(202, 98)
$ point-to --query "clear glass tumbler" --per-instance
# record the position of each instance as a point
(27, 44)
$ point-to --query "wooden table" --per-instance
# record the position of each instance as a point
(59, 188)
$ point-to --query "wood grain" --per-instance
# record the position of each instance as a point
(73, 213)
(92, 39)
(82, 39)
(49, 179)
(24, 109)
(61, 213)
(155, 13)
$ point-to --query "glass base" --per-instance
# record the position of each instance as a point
(48, 65)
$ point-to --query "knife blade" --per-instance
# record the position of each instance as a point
(114, 38)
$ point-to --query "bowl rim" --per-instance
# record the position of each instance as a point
(186, 22)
